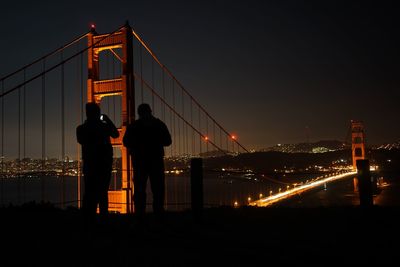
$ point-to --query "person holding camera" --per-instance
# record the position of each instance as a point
(97, 155)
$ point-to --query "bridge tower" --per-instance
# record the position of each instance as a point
(358, 141)
(119, 200)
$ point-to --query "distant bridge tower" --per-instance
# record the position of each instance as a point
(120, 200)
(358, 141)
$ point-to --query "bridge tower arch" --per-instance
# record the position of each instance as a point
(357, 141)
(119, 200)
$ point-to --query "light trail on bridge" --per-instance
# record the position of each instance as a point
(267, 201)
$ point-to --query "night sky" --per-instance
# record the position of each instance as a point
(266, 70)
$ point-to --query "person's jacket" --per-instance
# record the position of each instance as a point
(146, 137)
(94, 136)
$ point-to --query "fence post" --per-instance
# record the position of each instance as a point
(196, 185)
(364, 183)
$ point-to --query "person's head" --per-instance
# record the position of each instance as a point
(92, 111)
(144, 110)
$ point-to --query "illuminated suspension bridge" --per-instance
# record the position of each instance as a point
(42, 104)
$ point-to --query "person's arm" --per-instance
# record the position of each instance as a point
(113, 130)
(80, 137)
(166, 139)
(126, 140)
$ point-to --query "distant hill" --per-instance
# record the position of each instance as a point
(269, 161)
(316, 147)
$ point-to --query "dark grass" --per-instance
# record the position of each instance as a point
(41, 235)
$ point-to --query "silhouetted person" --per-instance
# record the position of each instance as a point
(97, 154)
(145, 138)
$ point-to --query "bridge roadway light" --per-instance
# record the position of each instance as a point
(261, 195)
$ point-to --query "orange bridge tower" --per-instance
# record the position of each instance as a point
(119, 200)
(358, 141)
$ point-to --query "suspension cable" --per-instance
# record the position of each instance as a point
(175, 112)
(77, 39)
(57, 65)
(180, 85)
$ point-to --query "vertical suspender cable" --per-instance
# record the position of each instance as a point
(2, 144)
(113, 77)
(114, 149)
(182, 138)
(179, 125)
(173, 127)
(200, 137)
(141, 72)
(19, 146)
(107, 76)
(81, 87)
(183, 125)
(163, 94)
(171, 147)
(43, 130)
(214, 137)
(24, 135)
(227, 143)
(63, 193)
(152, 84)
(80, 103)
(191, 123)
(208, 136)
(170, 122)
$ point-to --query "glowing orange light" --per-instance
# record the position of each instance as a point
(206, 138)
(233, 137)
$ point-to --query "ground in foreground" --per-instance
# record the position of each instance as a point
(44, 236)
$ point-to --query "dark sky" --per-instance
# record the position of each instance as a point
(266, 70)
